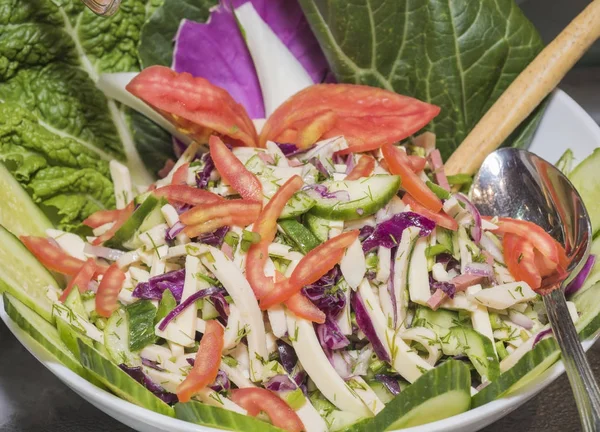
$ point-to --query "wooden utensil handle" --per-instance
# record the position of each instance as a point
(527, 91)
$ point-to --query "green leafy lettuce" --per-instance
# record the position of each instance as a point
(459, 54)
(57, 130)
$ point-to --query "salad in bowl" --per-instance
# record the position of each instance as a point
(316, 270)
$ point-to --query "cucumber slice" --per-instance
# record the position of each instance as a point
(140, 318)
(15, 203)
(594, 275)
(301, 236)
(74, 302)
(22, 276)
(440, 321)
(366, 197)
(480, 351)
(438, 394)
(146, 216)
(318, 226)
(116, 339)
(588, 306)
(118, 381)
(586, 180)
(299, 204)
(43, 332)
(527, 368)
(220, 418)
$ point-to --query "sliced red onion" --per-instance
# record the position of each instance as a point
(174, 230)
(280, 383)
(479, 269)
(266, 158)
(389, 382)
(576, 284)
(319, 166)
(227, 250)
(437, 166)
(290, 150)
(152, 364)
(349, 163)
(520, 319)
(185, 304)
(540, 336)
(364, 323)
(103, 252)
(476, 230)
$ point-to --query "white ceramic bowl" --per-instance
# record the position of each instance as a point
(565, 125)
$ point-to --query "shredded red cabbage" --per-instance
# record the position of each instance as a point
(476, 229)
(331, 336)
(154, 288)
(152, 364)
(138, 374)
(539, 336)
(321, 191)
(280, 383)
(576, 284)
(173, 231)
(364, 323)
(221, 305)
(290, 150)
(221, 382)
(203, 177)
(448, 288)
(319, 166)
(324, 294)
(389, 382)
(184, 304)
(388, 233)
(214, 238)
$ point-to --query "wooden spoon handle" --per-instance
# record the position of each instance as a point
(527, 91)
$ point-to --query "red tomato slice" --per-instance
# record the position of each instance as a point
(540, 239)
(363, 168)
(81, 280)
(188, 195)
(206, 365)
(367, 117)
(242, 210)
(181, 174)
(315, 128)
(108, 291)
(440, 218)
(417, 163)
(54, 258)
(520, 260)
(399, 164)
(304, 308)
(101, 217)
(234, 172)
(266, 227)
(123, 216)
(256, 399)
(194, 105)
(311, 268)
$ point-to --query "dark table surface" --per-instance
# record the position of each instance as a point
(34, 400)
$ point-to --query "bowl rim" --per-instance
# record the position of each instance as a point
(479, 417)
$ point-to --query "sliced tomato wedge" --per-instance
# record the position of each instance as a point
(181, 174)
(367, 117)
(81, 280)
(123, 216)
(234, 172)
(206, 365)
(188, 195)
(194, 105)
(54, 258)
(108, 291)
(241, 209)
(312, 267)
(266, 227)
(440, 218)
(520, 260)
(540, 239)
(256, 399)
(363, 168)
(304, 308)
(417, 163)
(101, 217)
(399, 164)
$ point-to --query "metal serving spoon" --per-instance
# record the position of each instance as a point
(518, 184)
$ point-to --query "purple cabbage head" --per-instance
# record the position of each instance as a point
(154, 288)
(388, 233)
(324, 294)
(138, 374)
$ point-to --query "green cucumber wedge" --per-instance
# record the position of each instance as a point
(220, 418)
(146, 216)
(480, 351)
(117, 381)
(438, 394)
(366, 196)
(588, 307)
(301, 236)
(586, 180)
(299, 204)
(318, 226)
(22, 276)
(15, 203)
(536, 361)
(594, 275)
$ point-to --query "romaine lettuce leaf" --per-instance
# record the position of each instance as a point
(460, 54)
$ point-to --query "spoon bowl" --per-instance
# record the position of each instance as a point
(518, 184)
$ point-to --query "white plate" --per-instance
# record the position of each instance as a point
(565, 125)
